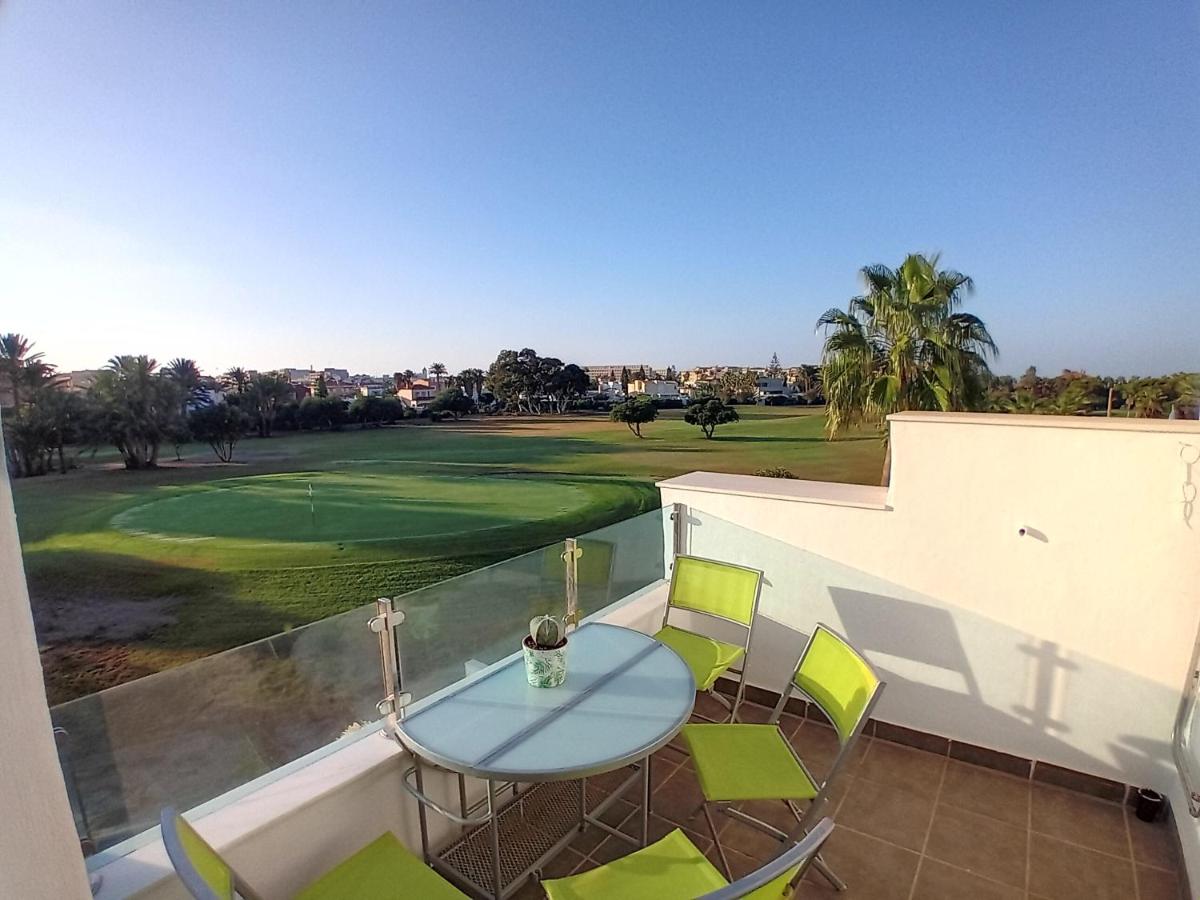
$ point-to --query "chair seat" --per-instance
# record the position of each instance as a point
(669, 869)
(746, 762)
(707, 658)
(382, 870)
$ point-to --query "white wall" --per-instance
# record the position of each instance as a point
(39, 850)
(1070, 644)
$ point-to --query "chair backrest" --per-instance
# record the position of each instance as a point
(201, 869)
(839, 680)
(776, 878)
(715, 589)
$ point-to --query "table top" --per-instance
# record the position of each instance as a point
(626, 695)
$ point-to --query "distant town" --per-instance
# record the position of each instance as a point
(772, 384)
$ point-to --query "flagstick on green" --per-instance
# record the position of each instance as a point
(312, 507)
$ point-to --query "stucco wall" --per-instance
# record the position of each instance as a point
(39, 852)
(1069, 643)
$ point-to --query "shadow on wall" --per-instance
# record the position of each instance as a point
(951, 671)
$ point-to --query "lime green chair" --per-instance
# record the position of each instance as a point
(720, 591)
(382, 870)
(736, 763)
(673, 869)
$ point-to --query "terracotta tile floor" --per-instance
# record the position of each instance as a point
(912, 825)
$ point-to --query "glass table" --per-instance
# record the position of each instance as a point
(625, 697)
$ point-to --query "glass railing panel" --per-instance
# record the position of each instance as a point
(458, 626)
(188, 734)
(622, 559)
(193, 733)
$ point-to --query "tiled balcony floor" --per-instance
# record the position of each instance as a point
(913, 825)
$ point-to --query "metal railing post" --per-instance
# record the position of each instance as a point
(679, 518)
(570, 556)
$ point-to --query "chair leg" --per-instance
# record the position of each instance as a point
(823, 867)
(712, 826)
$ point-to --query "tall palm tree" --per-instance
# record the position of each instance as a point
(16, 357)
(139, 407)
(437, 370)
(186, 374)
(904, 344)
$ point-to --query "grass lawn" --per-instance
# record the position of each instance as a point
(131, 572)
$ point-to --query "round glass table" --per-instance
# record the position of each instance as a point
(626, 695)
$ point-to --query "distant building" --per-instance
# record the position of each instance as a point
(417, 394)
(766, 387)
(81, 380)
(613, 373)
(654, 388)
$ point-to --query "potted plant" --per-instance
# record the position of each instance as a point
(546, 652)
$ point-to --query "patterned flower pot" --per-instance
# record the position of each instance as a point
(545, 668)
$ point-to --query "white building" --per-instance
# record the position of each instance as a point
(654, 388)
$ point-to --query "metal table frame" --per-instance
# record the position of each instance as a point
(525, 786)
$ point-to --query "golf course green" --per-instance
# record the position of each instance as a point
(351, 506)
(133, 572)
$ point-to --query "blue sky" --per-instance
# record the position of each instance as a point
(378, 186)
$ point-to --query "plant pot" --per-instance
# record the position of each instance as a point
(1149, 804)
(545, 668)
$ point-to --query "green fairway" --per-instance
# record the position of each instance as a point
(130, 572)
(349, 505)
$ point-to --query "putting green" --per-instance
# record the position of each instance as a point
(351, 505)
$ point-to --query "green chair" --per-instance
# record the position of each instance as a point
(720, 591)
(382, 870)
(673, 869)
(736, 763)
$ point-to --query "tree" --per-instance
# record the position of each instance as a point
(625, 379)
(453, 401)
(902, 345)
(17, 361)
(221, 426)
(185, 373)
(774, 369)
(236, 378)
(708, 414)
(322, 388)
(635, 412)
(471, 381)
(322, 413)
(738, 385)
(437, 370)
(266, 392)
(375, 411)
(566, 384)
(138, 408)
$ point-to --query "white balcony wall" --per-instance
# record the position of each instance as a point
(39, 852)
(1068, 644)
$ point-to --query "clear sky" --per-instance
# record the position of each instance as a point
(378, 186)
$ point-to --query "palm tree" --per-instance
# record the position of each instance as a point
(16, 361)
(437, 370)
(471, 381)
(186, 374)
(139, 406)
(1145, 398)
(236, 378)
(903, 345)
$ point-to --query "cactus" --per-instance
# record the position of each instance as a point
(547, 632)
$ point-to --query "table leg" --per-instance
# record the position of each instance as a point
(646, 802)
(494, 815)
(582, 802)
(421, 814)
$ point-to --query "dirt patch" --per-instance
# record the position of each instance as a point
(100, 620)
